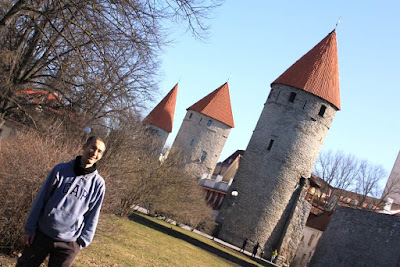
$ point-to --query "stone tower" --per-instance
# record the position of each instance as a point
(161, 118)
(204, 131)
(283, 148)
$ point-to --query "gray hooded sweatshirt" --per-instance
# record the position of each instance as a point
(67, 207)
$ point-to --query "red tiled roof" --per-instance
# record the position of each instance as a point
(317, 72)
(162, 115)
(37, 95)
(216, 105)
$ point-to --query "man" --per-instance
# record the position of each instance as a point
(255, 249)
(243, 245)
(65, 213)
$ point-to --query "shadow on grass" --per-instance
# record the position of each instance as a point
(171, 232)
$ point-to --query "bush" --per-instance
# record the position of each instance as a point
(26, 159)
(136, 177)
(130, 167)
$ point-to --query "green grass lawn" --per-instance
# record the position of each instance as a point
(145, 241)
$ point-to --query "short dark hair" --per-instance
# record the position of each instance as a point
(92, 139)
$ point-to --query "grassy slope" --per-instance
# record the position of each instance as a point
(122, 242)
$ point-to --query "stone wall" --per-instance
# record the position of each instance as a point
(359, 238)
(294, 229)
(196, 136)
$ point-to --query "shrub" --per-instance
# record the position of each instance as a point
(130, 166)
(26, 159)
(136, 177)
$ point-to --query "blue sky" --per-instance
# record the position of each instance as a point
(252, 42)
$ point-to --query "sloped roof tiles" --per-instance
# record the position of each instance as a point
(162, 115)
(317, 71)
(216, 105)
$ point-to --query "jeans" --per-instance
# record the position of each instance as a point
(61, 253)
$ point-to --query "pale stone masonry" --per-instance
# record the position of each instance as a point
(160, 136)
(268, 176)
(204, 131)
(269, 208)
(201, 140)
(160, 119)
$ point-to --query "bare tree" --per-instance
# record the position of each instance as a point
(368, 178)
(137, 177)
(130, 166)
(347, 176)
(337, 169)
(98, 58)
(26, 159)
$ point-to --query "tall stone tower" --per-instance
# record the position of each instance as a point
(283, 148)
(161, 118)
(204, 131)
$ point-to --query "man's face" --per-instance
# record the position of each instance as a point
(92, 152)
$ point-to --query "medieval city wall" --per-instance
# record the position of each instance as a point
(210, 139)
(268, 174)
(359, 238)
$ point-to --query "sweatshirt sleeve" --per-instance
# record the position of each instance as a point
(92, 218)
(40, 201)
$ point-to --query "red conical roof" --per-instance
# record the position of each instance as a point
(317, 71)
(162, 115)
(216, 105)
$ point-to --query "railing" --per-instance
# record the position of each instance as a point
(216, 182)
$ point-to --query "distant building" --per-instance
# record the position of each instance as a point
(160, 120)
(217, 186)
(9, 128)
(40, 100)
(204, 131)
(392, 188)
(315, 226)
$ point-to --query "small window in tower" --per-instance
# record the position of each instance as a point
(203, 156)
(271, 142)
(209, 123)
(322, 110)
(192, 142)
(311, 239)
(292, 97)
(190, 115)
(303, 257)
